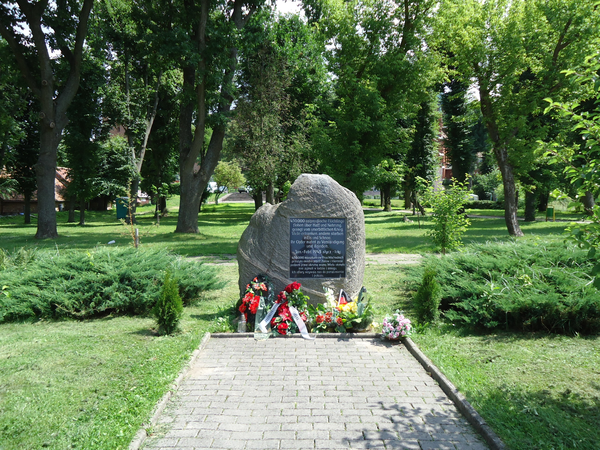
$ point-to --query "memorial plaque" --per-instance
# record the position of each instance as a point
(317, 248)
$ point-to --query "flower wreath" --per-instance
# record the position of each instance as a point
(283, 323)
(259, 287)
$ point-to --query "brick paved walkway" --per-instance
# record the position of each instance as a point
(298, 394)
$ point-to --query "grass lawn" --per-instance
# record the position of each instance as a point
(222, 225)
(537, 391)
(91, 384)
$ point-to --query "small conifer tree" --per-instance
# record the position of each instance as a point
(427, 298)
(169, 307)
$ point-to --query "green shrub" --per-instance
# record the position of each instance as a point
(483, 204)
(518, 285)
(448, 224)
(427, 298)
(107, 280)
(169, 307)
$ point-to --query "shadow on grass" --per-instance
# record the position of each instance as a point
(148, 332)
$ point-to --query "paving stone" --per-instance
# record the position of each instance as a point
(296, 394)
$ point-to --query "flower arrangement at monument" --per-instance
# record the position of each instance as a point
(396, 327)
(259, 287)
(291, 301)
(342, 316)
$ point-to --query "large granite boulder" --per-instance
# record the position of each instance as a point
(265, 245)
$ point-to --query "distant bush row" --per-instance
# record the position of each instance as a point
(484, 204)
(518, 286)
(76, 284)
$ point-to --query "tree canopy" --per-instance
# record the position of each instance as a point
(354, 89)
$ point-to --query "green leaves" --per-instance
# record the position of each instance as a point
(449, 223)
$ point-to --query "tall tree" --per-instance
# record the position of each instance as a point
(33, 32)
(25, 154)
(420, 160)
(161, 163)
(268, 134)
(13, 101)
(84, 133)
(457, 141)
(377, 55)
(137, 74)
(209, 33)
(515, 51)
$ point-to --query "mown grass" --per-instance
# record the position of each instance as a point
(387, 232)
(537, 391)
(91, 384)
(220, 229)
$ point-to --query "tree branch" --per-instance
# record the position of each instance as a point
(561, 44)
(66, 96)
(17, 49)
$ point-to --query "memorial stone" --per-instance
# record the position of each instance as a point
(315, 237)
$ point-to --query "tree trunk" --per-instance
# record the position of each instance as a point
(501, 153)
(543, 201)
(510, 194)
(27, 209)
(588, 203)
(71, 218)
(82, 211)
(258, 202)
(530, 198)
(270, 193)
(387, 192)
(133, 194)
(45, 169)
(162, 203)
(407, 198)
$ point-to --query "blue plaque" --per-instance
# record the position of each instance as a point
(317, 248)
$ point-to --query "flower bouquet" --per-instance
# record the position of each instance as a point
(342, 316)
(396, 327)
(259, 287)
(283, 322)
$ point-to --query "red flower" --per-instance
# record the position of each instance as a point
(281, 297)
(248, 298)
(282, 328)
(242, 307)
(339, 321)
(303, 316)
(320, 319)
(254, 304)
(292, 287)
(328, 317)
